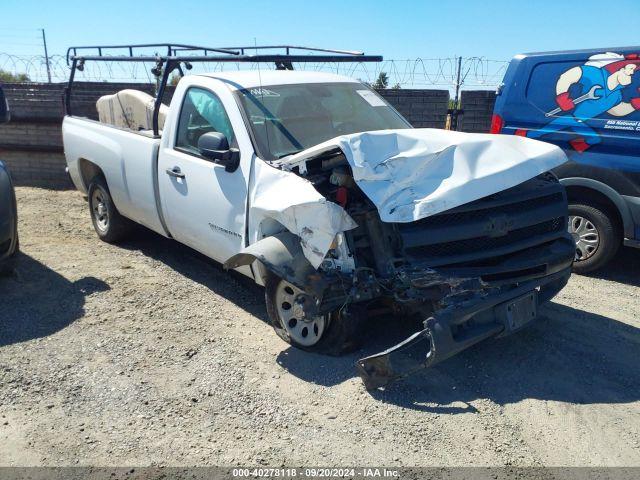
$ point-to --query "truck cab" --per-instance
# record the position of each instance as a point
(588, 103)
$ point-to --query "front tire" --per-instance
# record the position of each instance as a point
(110, 226)
(596, 234)
(332, 334)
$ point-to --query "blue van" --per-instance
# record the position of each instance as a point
(588, 103)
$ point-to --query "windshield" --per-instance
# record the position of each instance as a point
(286, 119)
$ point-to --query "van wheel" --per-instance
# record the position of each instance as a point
(596, 234)
(332, 334)
(110, 226)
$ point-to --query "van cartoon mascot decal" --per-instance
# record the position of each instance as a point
(602, 79)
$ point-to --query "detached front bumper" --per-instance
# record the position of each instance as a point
(495, 314)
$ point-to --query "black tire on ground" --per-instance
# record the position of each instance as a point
(342, 333)
(609, 232)
(9, 265)
(113, 227)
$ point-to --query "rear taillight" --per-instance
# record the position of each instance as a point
(496, 123)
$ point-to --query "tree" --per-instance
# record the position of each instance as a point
(382, 81)
(396, 86)
(9, 77)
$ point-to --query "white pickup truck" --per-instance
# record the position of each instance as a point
(314, 186)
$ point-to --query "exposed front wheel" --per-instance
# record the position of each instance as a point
(110, 226)
(332, 334)
(596, 235)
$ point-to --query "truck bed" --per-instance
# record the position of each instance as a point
(127, 158)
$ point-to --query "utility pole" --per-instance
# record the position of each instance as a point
(46, 55)
(454, 123)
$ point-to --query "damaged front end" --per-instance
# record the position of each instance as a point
(457, 327)
(472, 271)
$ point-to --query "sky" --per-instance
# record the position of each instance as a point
(400, 29)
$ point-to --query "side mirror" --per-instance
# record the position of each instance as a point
(215, 146)
(5, 114)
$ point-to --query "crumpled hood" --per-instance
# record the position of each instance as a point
(414, 173)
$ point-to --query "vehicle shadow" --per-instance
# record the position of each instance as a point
(36, 301)
(569, 355)
(624, 268)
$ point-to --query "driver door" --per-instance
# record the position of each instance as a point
(203, 205)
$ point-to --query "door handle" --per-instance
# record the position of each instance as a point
(175, 172)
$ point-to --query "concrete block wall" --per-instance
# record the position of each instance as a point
(423, 108)
(477, 107)
(31, 144)
(36, 169)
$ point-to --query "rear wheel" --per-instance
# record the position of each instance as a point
(110, 226)
(333, 334)
(596, 234)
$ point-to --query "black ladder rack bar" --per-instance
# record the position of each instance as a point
(235, 58)
(287, 49)
(166, 64)
(169, 47)
(172, 49)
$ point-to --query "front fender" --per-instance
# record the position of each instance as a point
(282, 254)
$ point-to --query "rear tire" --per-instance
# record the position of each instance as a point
(110, 226)
(597, 235)
(335, 334)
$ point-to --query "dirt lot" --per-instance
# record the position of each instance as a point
(147, 354)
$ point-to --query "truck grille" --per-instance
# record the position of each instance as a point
(498, 226)
(479, 244)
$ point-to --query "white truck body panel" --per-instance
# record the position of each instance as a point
(128, 160)
(207, 209)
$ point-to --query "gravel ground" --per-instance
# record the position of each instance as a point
(148, 354)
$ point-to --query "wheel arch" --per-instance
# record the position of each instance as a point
(88, 170)
(594, 191)
(282, 255)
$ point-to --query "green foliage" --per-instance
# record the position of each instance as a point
(13, 77)
(382, 81)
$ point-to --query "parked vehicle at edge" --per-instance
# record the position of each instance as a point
(8, 209)
(256, 169)
(588, 103)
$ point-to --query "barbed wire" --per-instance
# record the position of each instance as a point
(475, 72)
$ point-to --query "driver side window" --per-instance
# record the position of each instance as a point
(202, 112)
